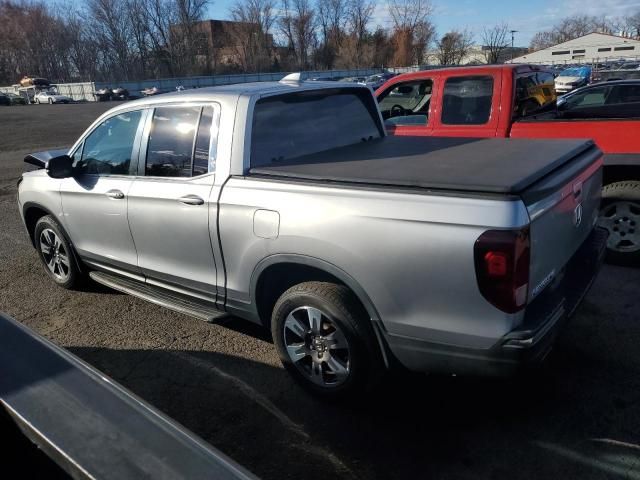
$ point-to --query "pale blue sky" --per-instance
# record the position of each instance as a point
(526, 16)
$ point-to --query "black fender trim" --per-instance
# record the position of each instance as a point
(335, 271)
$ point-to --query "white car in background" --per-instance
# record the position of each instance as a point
(51, 98)
(572, 78)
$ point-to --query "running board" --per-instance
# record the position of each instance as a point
(175, 301)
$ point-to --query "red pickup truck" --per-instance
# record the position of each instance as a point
(519, 101)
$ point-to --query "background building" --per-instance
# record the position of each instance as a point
(593, 47)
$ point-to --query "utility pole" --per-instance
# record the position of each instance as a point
(512, 32)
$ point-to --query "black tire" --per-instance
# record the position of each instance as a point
(620, 215)
(69, 277)
(342, 312)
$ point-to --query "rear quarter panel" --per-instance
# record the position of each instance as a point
(411, 253)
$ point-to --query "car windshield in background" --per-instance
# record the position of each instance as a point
(297, 124)
(576, 72)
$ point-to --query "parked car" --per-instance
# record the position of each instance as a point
(572, 78)
(323, 79)
(612, 99)
(148, 92)
(377, 80)
(4, 99)
(51, 98)
(285, 203)
(16, 99)
(104, 94)
(120, 93)
(354, 79)
(498, 101)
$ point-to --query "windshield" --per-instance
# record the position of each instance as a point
(576, 72)
(302, 123)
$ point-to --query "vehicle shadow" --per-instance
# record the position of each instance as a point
(579, 417)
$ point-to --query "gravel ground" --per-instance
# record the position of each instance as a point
(579, 417)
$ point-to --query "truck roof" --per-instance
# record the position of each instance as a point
(208, 94)
(473, 70)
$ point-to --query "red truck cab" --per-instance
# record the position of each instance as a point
(519, 101)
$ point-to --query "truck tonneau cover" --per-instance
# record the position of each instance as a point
(506, 166)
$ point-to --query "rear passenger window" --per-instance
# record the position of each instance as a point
(467, 100)
(171, 141)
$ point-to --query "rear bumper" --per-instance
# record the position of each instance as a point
(528, 344)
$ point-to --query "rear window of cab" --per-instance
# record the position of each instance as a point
(302, 123)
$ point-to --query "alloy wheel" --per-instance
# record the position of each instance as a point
(622, 220)
(317, 346)
(55, 255)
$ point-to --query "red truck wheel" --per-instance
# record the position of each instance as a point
(620, 215)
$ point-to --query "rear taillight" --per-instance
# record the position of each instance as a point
(502, 268)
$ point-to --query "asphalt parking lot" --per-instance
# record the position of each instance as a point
(579, 417)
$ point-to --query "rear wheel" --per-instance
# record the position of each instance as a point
(56, 253)
(620, 215)
(324, 339)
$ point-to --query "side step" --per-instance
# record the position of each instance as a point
(175, 301)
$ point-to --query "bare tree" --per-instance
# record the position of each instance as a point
(630, 26)
(356, 50)
(494, 42)
(569, 28)
(412, 30)
(454, 46)
(331, 19)
(297, 25)
(541, 40)
(254, 19)
(113, 34)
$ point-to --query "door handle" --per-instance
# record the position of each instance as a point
(191, 200)
(117, 194)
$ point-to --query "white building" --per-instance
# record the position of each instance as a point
(594, 47)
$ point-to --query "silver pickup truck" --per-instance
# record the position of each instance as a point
(287, 205)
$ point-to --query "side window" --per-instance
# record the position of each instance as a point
(467, 100)
(406, 103)
(108, 149)
(624, 94)
(172, 141)
(533, 91)
(593, 97)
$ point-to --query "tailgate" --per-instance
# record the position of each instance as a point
(563, 208)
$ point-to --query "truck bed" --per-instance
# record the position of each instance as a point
(467, 165)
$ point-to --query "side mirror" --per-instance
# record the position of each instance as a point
(59, 167)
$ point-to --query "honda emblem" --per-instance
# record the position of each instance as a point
(577, 215)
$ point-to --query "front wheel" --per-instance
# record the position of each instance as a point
(50, 101)
(620, 215)
(325, 340)
(56, 253)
